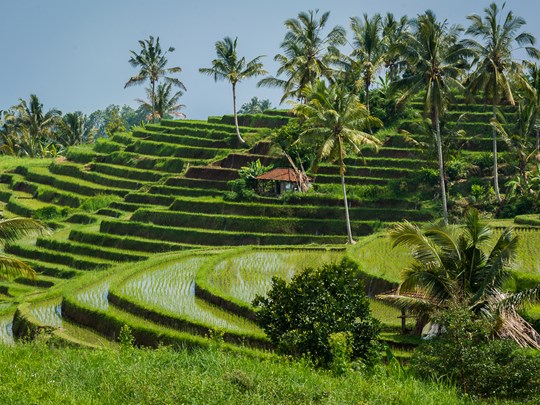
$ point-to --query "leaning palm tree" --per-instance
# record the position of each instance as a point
(165, 103)
(435, 59)
(228, 66)
(11, 230)
(307, 54)
(494, 62)
(152, 62)
(335, 120)
(464, 266)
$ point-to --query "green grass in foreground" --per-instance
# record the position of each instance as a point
(34, 374)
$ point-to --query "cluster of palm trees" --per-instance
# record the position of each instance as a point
(27, 130)
(421, 57)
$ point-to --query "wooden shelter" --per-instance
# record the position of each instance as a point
(285, 179)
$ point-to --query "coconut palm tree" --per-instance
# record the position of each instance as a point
(228, 66)
(74, 129)
(307, 54)
(152, 64)
(335, 120)
(165, 103)
(28, 129)
(435, 60)
(370, 49)
(494, 62)
(464, 266)
(11, 230)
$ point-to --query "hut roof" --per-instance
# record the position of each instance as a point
(280, 174)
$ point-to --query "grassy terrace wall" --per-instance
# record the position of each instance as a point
(246, 224)
(144, 162)
(187, 136)
(209, 237)
(73, 170)
(292, 211)
(170, 150)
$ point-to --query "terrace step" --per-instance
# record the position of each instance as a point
(349, 180)
(68, 183)
(218, 207)
(196, 183)
(25, 205)
(109, 254)
(146, 162)
(77, 262)
(185, 191)
(127, 242)
(179, 136)
(86, 173)
(172, 150)
(239, 160)
(52, 270)
(50, 194)
(366, 171)
(127, 172)
(249, 224)
(208, 237)
(212, 173)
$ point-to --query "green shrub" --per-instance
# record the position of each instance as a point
(466, 356)
(428, 176)
(300, 317)
(50, 213)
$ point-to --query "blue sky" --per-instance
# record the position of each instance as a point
(74, 54)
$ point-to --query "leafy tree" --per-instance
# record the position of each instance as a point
(152, 62)
(74, 129)
(463, 267)
(124, 116)
(255, 106)
(494, 63)
(115, 124)
(11, 230)
(466, 356)
(334, 120)
(307, 55)
(434, 60)
(228, 66)
(302, 316)
(165, 103)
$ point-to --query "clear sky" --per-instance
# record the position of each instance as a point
(74, 53)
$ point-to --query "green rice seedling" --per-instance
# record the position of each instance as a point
(172, 289)
(99, 201)
(48, 312)
(249, 274)
(6, 332)
(96, 295)
(378, 258)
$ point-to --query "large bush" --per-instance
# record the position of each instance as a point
(467, 356)
(304, 317)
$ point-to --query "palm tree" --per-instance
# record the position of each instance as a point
(494, 62)
(228, 66)
(28, 129)
(464, 267)
(370, 49)
(165, 103)
(434, 59)
(335, 120)
(393, 33)
(255, 106)
(11, 230)
(152, 62)
(74, 129)
(307, 55)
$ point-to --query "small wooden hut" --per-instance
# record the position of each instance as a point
(285, 179)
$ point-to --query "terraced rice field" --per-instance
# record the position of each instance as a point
(48, 312)
(172, 289)
(246, 275)
(96, 295)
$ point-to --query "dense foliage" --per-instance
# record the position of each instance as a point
(466, 356)
(303, 317)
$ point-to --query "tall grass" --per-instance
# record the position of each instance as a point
(34, 374)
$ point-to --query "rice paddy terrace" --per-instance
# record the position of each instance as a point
(142, 235)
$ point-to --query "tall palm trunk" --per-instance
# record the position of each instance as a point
(153, 101)
(438, 142)
(345, 202)
(495, 160)
(236, 115)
